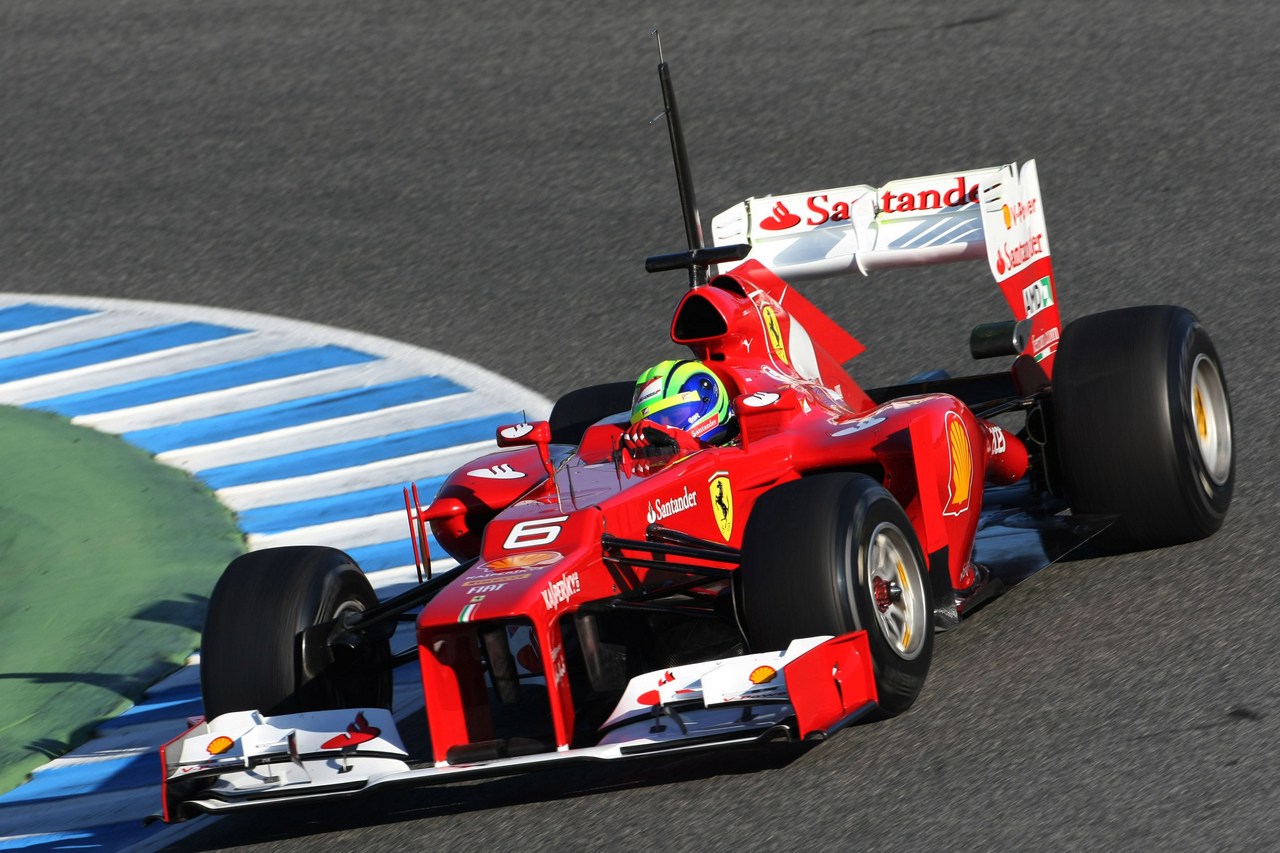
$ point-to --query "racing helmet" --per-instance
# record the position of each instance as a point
(683, 394)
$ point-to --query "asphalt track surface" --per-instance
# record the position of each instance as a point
(484, 175)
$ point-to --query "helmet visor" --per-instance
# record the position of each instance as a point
(680, 410)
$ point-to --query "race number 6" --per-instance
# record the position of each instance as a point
(535, 532)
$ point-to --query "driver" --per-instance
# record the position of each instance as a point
(678, 407)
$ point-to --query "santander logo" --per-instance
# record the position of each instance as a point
(357, 733)
(819, 210)
(781, 220)
(1010, 258)
(760, 399)
(497, 472)
(654, 697)
(659, 510)
(931, 198)
(516, 431)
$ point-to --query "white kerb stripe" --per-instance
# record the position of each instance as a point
(388, 472)
(156, 365)
(242, 399)
(349, 533)
(265, 445)
(76, 330)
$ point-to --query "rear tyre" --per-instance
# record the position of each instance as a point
(835, 553)
(256, 654)
(577, 410)
(1143, 425)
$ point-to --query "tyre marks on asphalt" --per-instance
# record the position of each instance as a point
(305, 432)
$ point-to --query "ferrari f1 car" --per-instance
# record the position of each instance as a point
(778, 586)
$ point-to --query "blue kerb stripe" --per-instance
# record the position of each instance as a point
(390, 555)
(201, 380)
(151, 711)
(305, 410)
(57, 841)
(110, 348)
(356, 453)
(29, 314)
(67, 780)
(110, 836)
(361, 504)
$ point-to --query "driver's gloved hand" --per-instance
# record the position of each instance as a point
(646, 445)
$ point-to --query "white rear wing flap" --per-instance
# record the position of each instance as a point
(994, 213)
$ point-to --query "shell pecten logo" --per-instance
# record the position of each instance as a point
(763, 675)
(219, 745)
(527, 560)
(961, 455)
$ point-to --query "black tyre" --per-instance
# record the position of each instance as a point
(1143, 425)
(577, 410)
(835, 553)
(253, 655)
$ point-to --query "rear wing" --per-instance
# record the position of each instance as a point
(995, 213)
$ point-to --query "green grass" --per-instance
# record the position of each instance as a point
(107, 559)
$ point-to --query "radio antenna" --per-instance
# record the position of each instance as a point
(684, 178)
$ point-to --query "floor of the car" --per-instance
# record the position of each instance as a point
(1021, 531)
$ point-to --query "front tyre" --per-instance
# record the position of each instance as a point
(835, 553)
(257, 653)
(1142, 421)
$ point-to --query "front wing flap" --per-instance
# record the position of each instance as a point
(243, 759)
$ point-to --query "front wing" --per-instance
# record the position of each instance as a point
(244, 759)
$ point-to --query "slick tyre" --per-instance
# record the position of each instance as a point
(1142, 421)
(256, 652)
(577, 410)
(835, 553)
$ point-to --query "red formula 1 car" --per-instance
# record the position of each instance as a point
(614, 601)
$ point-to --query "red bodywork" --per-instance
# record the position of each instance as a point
(539, 540)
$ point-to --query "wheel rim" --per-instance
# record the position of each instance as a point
(348, 606)
(341, 682)
(1211, 418)
(893, 580)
